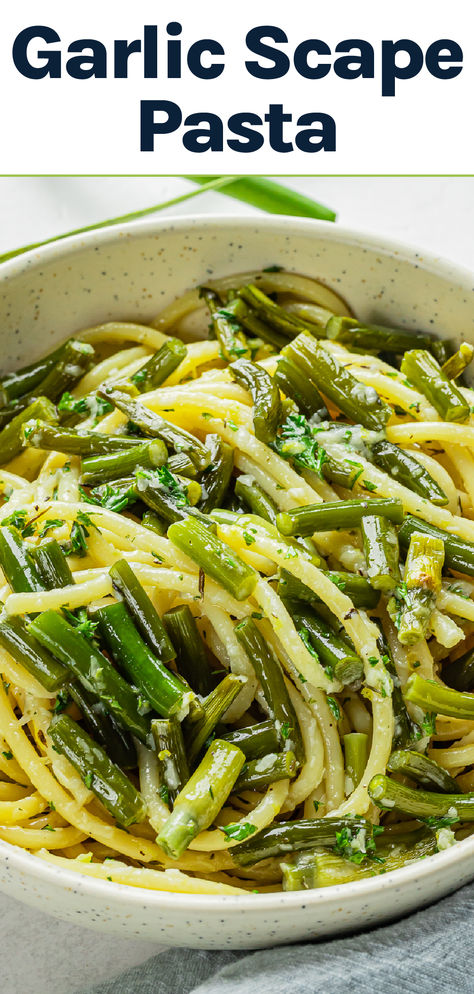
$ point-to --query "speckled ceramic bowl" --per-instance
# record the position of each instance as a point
(130, 273)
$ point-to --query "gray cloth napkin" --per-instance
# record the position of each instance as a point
(430, 952)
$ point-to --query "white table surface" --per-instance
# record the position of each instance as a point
(39, 954)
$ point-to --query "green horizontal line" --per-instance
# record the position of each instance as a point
(278, 175)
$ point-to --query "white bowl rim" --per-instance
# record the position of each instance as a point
(358, 890)
(90, 886)
(155, 225)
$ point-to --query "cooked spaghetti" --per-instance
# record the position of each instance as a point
(237, 628)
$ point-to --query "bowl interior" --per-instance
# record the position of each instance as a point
(131, 273)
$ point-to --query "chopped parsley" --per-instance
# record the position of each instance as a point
(113, 498)
(91, 405)
(228, 315)
(81, 622)
(334, 708)
(88, 779)
(285, 730)
(92, 497)
(18, 520)
(171, 483)
(401, 592)
(139, 376)
(297, 441)
(238, 831)
(62, 701)
(303, 634)
(238, 350)
(321, 458)
(7, 755)
(249, 539)
(369, 485)
(79, 534)
(353, 845)
(164, 793)
(443, 821)
(49, 525)
(28, 431)
(429, 723)
(73, 406)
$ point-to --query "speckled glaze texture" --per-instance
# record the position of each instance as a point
(129, 273)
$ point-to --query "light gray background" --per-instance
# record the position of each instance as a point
(435, 213)
(39, 954)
